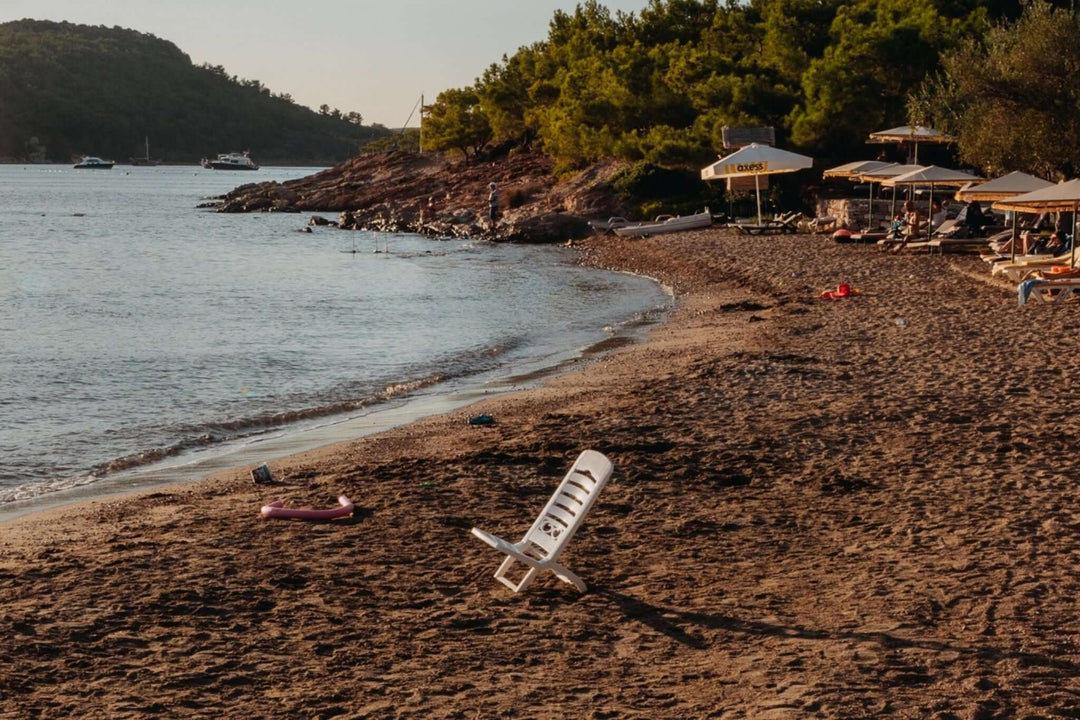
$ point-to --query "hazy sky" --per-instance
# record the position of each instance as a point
(372, 56)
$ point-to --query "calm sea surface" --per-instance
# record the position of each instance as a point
(136, 329)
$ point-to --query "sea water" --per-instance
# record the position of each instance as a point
(138, 331)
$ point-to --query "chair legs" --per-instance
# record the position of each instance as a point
(566, 576)
(560, 572)
(526, 581)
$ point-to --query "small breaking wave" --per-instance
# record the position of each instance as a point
(206, 435)
(29, 492)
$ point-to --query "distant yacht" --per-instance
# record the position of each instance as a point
(230, 161)
(93, 163)
(145, 161)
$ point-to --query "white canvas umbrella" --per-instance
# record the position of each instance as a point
(855, 172)
(1003, 188)
(754, 161)
(930, 176)
(852, 169)
(913, 134)
(1063, 197)
(880, 175)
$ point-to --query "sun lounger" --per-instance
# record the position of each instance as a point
(913, 245)
(825, 224)
(947, 229)
(784, 224)
(955, 243)
(1047, 291)
(1025, 265)
(556, 525)
(893, 244)
(999, 240)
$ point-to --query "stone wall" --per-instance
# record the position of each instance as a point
(853, 212)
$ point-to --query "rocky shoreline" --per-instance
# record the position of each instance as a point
(430, 195)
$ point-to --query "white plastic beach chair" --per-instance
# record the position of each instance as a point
(561, 517)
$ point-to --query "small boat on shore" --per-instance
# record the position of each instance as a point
(93, 163)
(666, 224)
(230, 161)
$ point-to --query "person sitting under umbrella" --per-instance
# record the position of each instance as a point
(974, 219)
(912, 225)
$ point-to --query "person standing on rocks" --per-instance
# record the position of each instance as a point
(493, 204)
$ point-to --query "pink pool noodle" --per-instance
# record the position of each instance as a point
(277, 509)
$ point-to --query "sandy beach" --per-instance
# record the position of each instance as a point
(820, 508)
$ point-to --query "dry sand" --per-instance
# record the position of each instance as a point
(843, 509)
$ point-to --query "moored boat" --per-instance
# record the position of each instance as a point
(230, 161)
(93, 163)
(145, 161)
(666, 224)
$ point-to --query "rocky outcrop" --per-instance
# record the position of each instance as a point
(549, 228)
(428, 194)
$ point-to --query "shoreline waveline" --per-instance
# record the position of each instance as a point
(840, 508)
(254, 440)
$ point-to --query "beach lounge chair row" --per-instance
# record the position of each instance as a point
(787, 223)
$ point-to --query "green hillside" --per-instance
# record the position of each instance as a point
(67, 90)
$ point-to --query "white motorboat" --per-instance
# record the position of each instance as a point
(666, 224)
(230, 161)
(93, 163)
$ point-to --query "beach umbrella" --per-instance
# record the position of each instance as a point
(910, 134)
(1063, 197)
(854, 168)
(754, 161)
(854, 171)
(880, 175)
(1003, 188)
(931, 176)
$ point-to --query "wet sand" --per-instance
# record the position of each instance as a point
(854, 508)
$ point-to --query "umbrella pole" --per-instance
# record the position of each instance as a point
(1072, 243)
(1013, 243)
(929, 210)
(757, 188)
(870, 220)
(892, 205)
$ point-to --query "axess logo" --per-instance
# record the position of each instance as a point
(752, 167)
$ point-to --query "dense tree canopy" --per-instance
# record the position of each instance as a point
(72, 89)
(457, 121)
(1012, 97)
(659, 85)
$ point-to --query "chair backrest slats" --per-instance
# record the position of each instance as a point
(573, 496)
(560, 514)
(570, 504)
